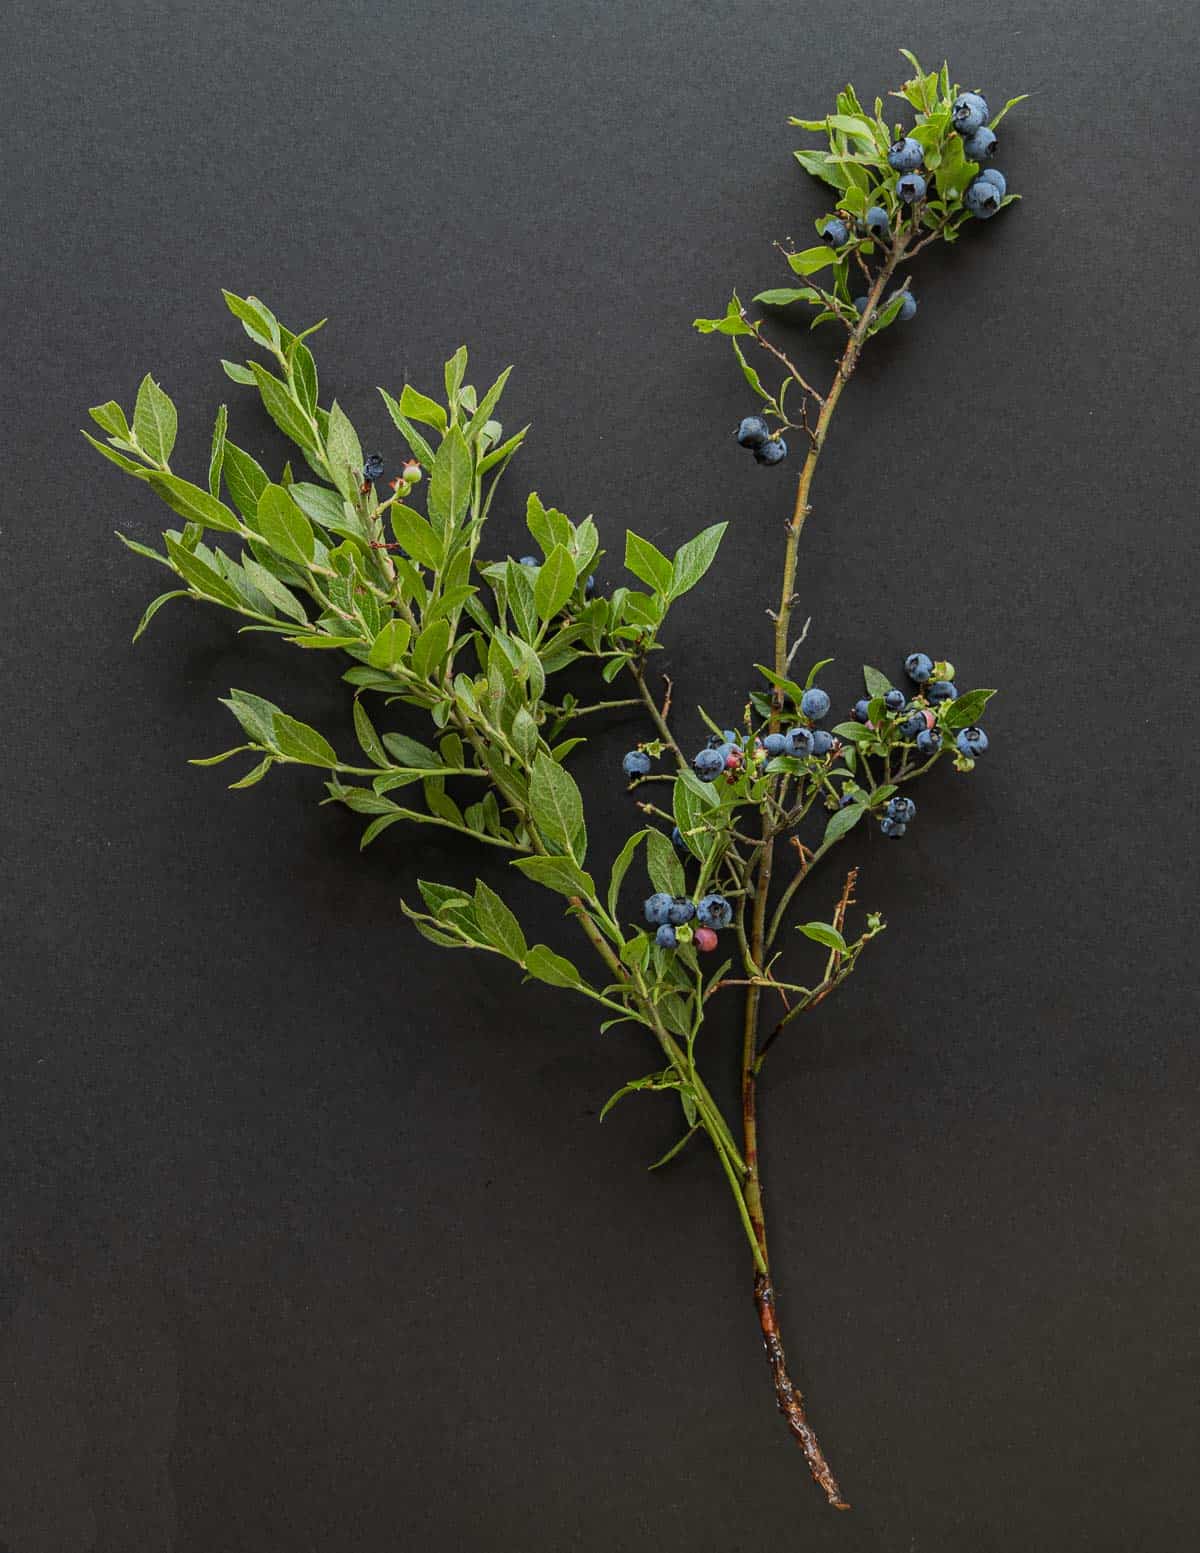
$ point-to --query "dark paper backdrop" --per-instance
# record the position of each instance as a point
(312, 1240)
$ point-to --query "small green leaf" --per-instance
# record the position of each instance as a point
(343, 453)
(153, 608)
(450, 481)
(842, 821)
(194, 504)
(557, 806)
(283, 526)
(254, 775)
(111, 418)
(555, 582)
(283, 409)
(420, 407)
(300, 742)
(257, 320)
(498, 924)
(823, 933)
(412, 531)
(119, 459)
(783, 297)
(410, 752)
(648, 563)
(429, 649)
(810, 260)
(552, 968)
(154, 421)
(245, 477)
(388, 648)
(201, 576)
(238, 373)
(621, 867)
(967, 709)
(694, 558)
(663, 865)
(557, 873)
(277, 594)
(371, 744)
(877, 684)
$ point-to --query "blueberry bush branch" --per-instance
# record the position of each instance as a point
(433, 625)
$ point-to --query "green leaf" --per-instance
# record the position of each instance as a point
(201, 576)
(810, 260)
(217, 456)
(238, 373)
(429, 649)
(663, 865)
(254, 775)
(498, 924)
(557, 873)
(1011, 103)
(823, 933)
(283, 526)
(283, 409)
(967, 709)
(304, 374)
(842, 821)
(300, 742)
(877, 684)
(388, 648)
(420, 448)
(621, 867)
(119, 459)
(412, 531)
(419, 407)
(524, 734)
(246, 479)
(648, 563)
(257, 320)
(552, 968)
(555, 582)
(153, 608)
(690, 799)
(454, 372)
(784, 296)
(111, 418)
(694, 558)
(451, 480)
(486, 405)
(256, 716)
(861, 129)
(194, 504)
(280, 596)
(154, 421)
(409, 752)
(343, 453)
(367, 737)
(557, 806)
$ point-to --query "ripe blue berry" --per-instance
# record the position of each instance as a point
(942, 690)
(894, 700)
(847, 798)
(372, 466)
(800, 742)
(753, 432)
(876, 221)
(983, 198)
(969, 112)
(636, 763)
(905, 155)
(729, 736)
(972, 741)
(919, 667)
(714, 911)
(530, 560)
(708, 765)
(902, 809)
(677, 837)
(680, 911)
(910, 187)
(862, 711)
(835, 232)
(929, 741)
(891, 828)
(994, 175)
(775, 744)
(913, 725)
(908, 307)
(772, 452)
(656, 908)
(665, 937)
(980, 144)
(589, 587)
(822, 741)
(814, 703)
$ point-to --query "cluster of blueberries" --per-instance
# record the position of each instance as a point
(666, 913)
(589, 590)
(373, 467)
(754, 433)
(919, 724)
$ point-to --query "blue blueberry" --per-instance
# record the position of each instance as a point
(835, 232)
(912, 725)
(772, 452)
(636, 764)
(665, 937)
(822, 741)
(929, 741)
(814, 703)
(708, 765)
(876, 221)
(891, 828)
(656, 908)
(902, 809)
(677, 837)
(862, 711)
(753, 432)
(860, 304)
(729, 736)
(980, 144)
(942, 690)
(775, 744)
(680, 911)
(910, 187)
(894, 700)
(530, 560)
(847, 798)
(908, 307)
(919, 667)
(589, 587)
(373, 466)
(714, 911)
(983, 198)
(905, 155)
(969, 112)
(972, 741)
(800, 742)
(994, 175)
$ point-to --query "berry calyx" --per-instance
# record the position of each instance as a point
(800, 742)
(893, 829)
(835, 232)
(910, 187)
(714, 911)
(929, 741)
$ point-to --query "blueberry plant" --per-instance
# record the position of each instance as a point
(436, 625)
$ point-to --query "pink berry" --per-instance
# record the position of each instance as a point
(704, 939)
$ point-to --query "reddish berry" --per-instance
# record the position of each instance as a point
(704, 939)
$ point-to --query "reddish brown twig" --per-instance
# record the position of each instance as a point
(787, 1394)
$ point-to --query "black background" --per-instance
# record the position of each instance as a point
(312, 1240)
